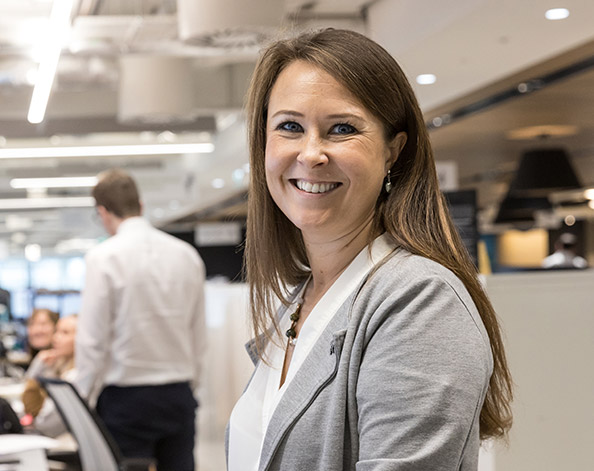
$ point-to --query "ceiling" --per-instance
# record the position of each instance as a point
(149, 72)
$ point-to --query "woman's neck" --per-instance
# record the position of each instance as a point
(328, 259)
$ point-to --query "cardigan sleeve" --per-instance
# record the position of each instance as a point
(422, 380)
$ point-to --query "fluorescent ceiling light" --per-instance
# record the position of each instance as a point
(59, 27)
(97, 151)
(426, 79)
(557, 14)
(59, 182)
(43, 203)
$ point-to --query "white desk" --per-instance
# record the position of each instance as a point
(25, 452)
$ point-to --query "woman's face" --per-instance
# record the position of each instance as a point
(40, 331)
(326, 154)
(63, 340)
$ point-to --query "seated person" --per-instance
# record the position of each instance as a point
(565, 255)
(56, 362)
(40, 329)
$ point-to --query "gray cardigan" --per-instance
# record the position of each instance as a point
(395, 382)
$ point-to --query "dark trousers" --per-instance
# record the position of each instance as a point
(152, 422)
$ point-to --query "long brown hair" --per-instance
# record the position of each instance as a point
(414, 213)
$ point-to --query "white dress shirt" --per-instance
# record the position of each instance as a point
(142, 314)
(251, 415)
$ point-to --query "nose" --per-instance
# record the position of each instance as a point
(313, 152)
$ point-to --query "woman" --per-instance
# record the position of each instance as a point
(392, 356)
(40, 329)
(56, 362)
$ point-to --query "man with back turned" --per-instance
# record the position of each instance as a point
(141, 330)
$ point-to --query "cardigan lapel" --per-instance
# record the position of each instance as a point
(317, 370)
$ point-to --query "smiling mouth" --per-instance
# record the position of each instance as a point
(309, 187)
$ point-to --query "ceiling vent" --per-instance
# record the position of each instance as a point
(541, 172)
(228, 23)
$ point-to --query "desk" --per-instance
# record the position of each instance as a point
(25, 452)
(12, 391)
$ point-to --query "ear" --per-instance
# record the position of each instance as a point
(101, 210)
(395, 147)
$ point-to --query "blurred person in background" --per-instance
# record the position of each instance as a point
(54, 362)
(141, 330)
(40, 330)
(565, 255)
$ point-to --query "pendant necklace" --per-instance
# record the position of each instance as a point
(291, 332)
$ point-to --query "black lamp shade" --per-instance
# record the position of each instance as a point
(542, 171)
(513, 209)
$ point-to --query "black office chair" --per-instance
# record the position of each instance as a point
(97, 451)
(9, 421)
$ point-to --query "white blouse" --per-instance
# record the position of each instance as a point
(251, 414)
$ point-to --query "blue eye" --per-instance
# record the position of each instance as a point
(290, 126)
(343, 128)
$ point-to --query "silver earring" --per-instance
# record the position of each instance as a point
(388, 184)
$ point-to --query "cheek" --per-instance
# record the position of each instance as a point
(274, 164)
(366, 172)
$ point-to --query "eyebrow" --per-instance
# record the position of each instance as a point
(288, 112)
(331, 116)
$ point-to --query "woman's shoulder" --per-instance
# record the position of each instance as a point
(404, 267)
(412, 291)
(38, 367)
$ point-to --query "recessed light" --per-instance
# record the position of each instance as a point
(238, 176)
(426, 79)
(557, 14)
(33, 252)
(218, 183)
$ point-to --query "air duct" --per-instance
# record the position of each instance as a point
(228, 23)
(156, 89)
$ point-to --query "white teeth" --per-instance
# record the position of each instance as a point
(315, 187)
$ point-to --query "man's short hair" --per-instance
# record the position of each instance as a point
(116, 191)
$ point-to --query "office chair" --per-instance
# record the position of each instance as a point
(9, 421)
(97, 451)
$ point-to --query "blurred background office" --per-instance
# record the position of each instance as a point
(157, 87)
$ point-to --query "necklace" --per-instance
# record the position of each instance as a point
(291, 332)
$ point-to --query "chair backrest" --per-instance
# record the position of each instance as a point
(9, 421)
(96, 448)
